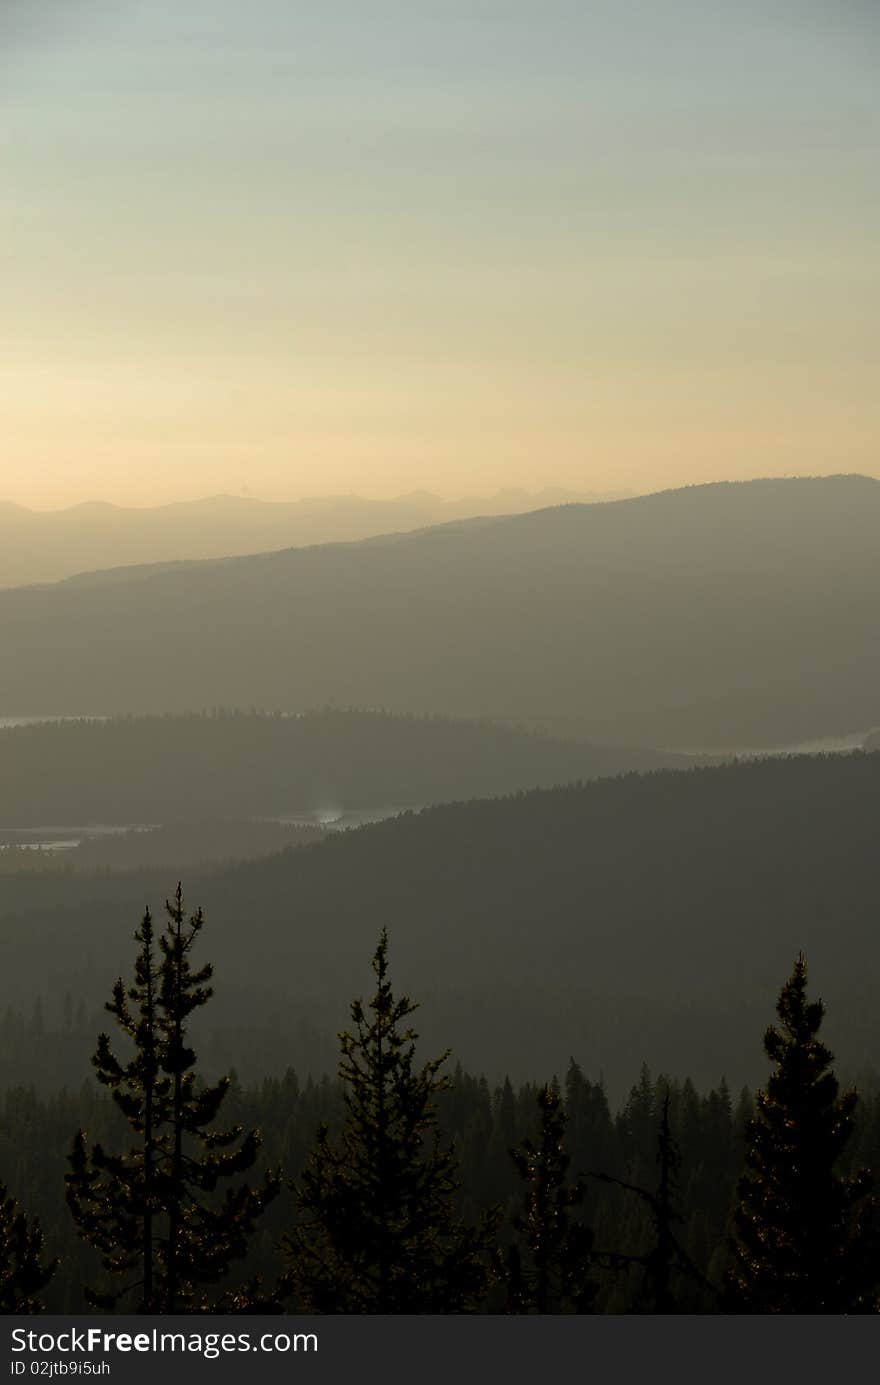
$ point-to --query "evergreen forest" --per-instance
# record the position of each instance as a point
(401, 1183)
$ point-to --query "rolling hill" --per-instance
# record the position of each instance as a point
(729, 614)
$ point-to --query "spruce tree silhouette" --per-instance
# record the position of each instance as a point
(665, 1257)
(23, 1274)
(801, 1232)
(155, 1208)
(378, 1231)
(549, 1264)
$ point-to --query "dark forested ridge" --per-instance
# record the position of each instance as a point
(649, 914)
(234, 764)
(730, 614)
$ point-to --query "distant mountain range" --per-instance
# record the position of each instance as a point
(644, 917)
(46, 546)
(722, 615)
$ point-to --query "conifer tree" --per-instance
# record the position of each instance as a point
(378, 1231)
(665, 1257)
(23, 1274)
(112, 1196)
(589, 1131)
(548, 1266)
(661, 1260)
(800, 1245)
(155, 1207)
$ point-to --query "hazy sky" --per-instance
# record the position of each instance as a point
(459, 244)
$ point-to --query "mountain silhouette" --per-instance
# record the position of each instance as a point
(728, 614)
(47, 546)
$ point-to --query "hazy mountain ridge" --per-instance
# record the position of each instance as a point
(644, 915)
(733, 614)
(48, 546)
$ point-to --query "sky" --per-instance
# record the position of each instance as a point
(282, 249)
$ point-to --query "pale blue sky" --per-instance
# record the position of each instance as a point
(377, 246)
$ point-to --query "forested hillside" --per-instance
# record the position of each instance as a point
(650, 914)
(236, 764)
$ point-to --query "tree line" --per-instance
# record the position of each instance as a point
(528, 1208)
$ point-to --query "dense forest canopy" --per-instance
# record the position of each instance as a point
(728, 614)
(558, 1201)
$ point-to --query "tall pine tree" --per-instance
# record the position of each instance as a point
(113, 1196)
(378, 1231)
(155, 1208)
(800, 1244)
(549, 1264)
